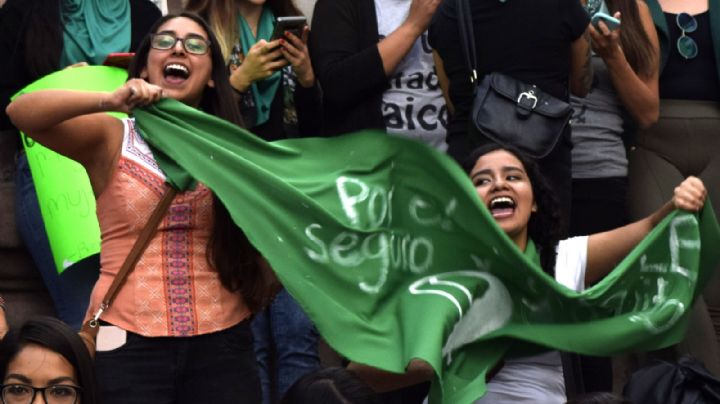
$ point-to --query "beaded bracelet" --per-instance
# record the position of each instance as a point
(2, 303)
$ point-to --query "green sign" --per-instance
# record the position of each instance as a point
(388, 248)
(66, 199)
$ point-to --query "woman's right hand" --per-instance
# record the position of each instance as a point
(262, 60)
(134, 93)
(606, 42)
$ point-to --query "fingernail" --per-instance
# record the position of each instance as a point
(282, 42)
(287, 33)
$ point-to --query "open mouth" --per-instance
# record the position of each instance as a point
(176, 73)
(501, 207)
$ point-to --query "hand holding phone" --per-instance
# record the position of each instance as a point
(606, 42)
(295, 51)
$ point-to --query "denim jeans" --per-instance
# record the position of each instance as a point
(286, 346)
(70, 291)
(217, 368)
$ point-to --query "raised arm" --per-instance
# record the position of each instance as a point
(395, 46)
(607, 249)
(348, 70)
(73, 123)
(638, 90)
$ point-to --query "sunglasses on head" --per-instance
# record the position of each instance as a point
(686, 46)
(192, 43)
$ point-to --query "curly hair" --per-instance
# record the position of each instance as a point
(543, 226)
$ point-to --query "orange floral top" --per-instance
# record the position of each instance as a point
(173, 290)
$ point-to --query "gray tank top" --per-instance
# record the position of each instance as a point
(597, 126)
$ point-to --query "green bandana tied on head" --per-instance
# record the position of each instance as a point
(387, 247)
(263, 91)
(93, 29)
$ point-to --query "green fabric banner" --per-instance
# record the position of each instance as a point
(66, 199)
(386, 245)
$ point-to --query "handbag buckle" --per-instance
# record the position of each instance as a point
(529, 96)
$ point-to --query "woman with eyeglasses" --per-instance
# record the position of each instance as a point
(279, 98)
(179, 330)
(685, 141)
(45, 357)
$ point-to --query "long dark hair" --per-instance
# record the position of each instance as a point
(333, 385)
(222, 15)
(543, 228)
(634, 40)
(58, 337)
(228, 250)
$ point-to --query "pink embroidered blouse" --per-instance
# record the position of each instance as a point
(173, 290)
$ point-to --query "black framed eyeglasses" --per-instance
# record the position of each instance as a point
(686, 46)
(194, 44)
(25, 394)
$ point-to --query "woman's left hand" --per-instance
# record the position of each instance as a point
(606, 42)
(295, 50)
(690, 195)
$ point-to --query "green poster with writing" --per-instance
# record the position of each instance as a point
(67, 202)
(387, 247)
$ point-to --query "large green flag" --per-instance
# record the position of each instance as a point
(386, 245)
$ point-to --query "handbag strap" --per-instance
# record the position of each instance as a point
(467, 37)
(136, 252)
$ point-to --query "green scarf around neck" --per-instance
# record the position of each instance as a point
(531, 253)
(92, 29)
(263, 91)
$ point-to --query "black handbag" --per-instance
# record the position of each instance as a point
(508, 111)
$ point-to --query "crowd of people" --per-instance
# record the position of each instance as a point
(642, 141)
